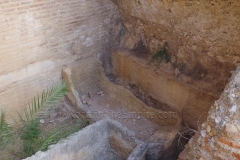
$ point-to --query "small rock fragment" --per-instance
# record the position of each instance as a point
(231, 128)
(42, 121)
(51, 121)
(100, 92)
(214, 132)
(199, 140)
(211, 133)
(83, 97)
(233, 108)
(212, 142)
(173, 59)
(203, 133)
(90, 95)
(177, 72)
(218, 119)
(209, 128)
(84, 101)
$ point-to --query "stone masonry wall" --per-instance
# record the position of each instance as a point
(39, 37)
(219, 136)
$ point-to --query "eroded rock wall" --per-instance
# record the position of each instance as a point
(203, 35)
(192, 103)
(88, 76)
(219, 136)
(39, 37)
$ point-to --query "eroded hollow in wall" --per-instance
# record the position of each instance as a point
(160, 89)
(165, 90)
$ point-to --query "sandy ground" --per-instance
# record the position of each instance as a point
(101, 106)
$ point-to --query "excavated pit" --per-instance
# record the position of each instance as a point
(162, 90)
(156, 107)
(140, 94)
(100, 96)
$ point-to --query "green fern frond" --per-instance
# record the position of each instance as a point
(59, 133)
(52, 139)
(6, 131)
(41, 104)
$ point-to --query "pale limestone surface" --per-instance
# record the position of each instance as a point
(192, 102)
(88, 75)
(95, 142)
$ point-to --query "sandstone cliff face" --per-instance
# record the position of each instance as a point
(219, 136)
(39, 37)
(202, 34)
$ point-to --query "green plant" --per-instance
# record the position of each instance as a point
(161, 53)
(59, 133)
(30, 130)
(50, 139)
(87, 122)
(6, 131)
(41, 104)
(30, 136)
(35, 139)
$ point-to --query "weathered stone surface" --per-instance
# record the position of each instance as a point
(37, 38)
(162, 144)
(203, 35)
(124, 149)
(155, 150)
(231, 128)
(139, 152)
(94, 142)
(187, 99)
(223, 141)
(88, 75)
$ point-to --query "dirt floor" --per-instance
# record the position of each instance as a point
(63, 112)
(102, 105)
